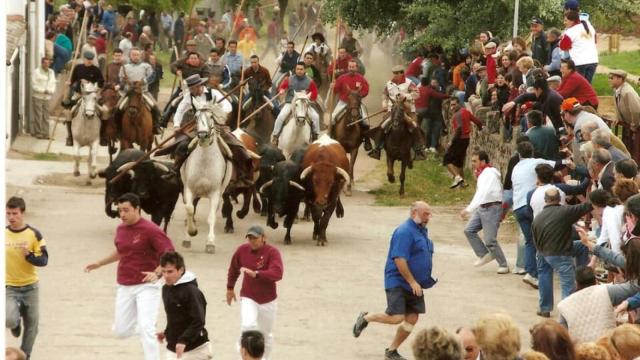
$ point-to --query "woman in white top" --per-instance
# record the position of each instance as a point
(579, 40)
(613, 214)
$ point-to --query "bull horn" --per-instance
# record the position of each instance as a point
(131, 173)
(126, 166)
(305, 172)
(296, 185)
(160, 166)
(253, 155)
(342, 172)
(265, 186)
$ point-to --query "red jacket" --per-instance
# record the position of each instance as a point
(313, 89)
(575, 85)
(349, 82)
(415, 67)
(342, 66)
(461, 123)
(492, 69)
(267, 261)
(426, 92)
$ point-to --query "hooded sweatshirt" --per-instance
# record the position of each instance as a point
(185, 307)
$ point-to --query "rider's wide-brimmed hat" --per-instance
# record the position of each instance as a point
(195, 80)
(317, 35)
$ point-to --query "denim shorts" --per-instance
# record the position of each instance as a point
(401, 301)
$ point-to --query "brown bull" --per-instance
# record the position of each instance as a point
(325, 172)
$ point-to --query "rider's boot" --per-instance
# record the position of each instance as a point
(69, 134)
(379, 140)
(104, 141)
(155, 116)
(365, 138)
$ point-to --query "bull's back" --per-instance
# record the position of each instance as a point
(326, 149)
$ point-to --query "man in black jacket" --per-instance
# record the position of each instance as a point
(185, 306)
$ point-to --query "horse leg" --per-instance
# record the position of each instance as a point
(257, 207)
(246, 202)
(403, 168)
(189, 206)
(265, 205)
(93, 161)
(210, 247)
(390, 175)
(324, 222)
(352, 164)
(76, 158)
(227, 210)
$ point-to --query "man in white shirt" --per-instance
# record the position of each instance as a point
(486, 207)
(43, 85)
(544, 173)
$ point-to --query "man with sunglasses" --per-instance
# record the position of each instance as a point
(400, 90)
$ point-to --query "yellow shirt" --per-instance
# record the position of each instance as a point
(21, 272)
(246, 48)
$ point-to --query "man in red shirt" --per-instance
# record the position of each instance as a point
(139, 245)
(262, 267)
(342, 64)
(350, 82)
(575, 85)
(457, 150)
(414, 70)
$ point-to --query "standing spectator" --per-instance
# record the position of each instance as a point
(294, 21)
(146, 38)
(492, 68)
(251, 345)
(486, 213)
(64, 41)
(429, 111)
(131, 26)
(139, 244)
(262, 267)
(227, 19)
(457, 150)
(407, 272)
(539, 45)
(25, 249)
(436, 71)
(551, 232)
(60, 55)
(204, 43)
(125, 45)
(185, 307)
(154, 85)
(43, 85)
(627, 111)
(575, 85)
(178, 31)
(552, 66)
(109, 20)
(166, 22)
(273, 34)
(414, 69)
(90, 46)
(579, 40)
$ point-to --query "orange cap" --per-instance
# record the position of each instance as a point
(569, 104)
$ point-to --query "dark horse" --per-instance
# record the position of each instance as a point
(110, 99)
(259, 125)
(348, 133)
(137, 123)
(397, 142)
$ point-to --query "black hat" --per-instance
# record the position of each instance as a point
(194, 80)
(255, 231)
(318, 36)
(537, 21)
(89, 55)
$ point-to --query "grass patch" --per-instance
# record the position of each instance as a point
(627, 61)
(601, 85)
(164, 58)
(428, 181)
(47, 157)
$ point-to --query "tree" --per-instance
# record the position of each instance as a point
(157, 5)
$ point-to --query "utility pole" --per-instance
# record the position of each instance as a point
(516, 10)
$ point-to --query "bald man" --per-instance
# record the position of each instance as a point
(469, 344)
(406, 274)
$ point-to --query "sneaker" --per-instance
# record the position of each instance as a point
(531, 281)
(519, 271)
(545, 314)
(484, 260)
(503, 270)
(457, 181)
(392, 355)
(17, 330)
(431, 149)
(361, 324)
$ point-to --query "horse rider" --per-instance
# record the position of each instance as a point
(397, 89)
(342, 87)
(197, 90)
(311, 70)
(112, 72)
(319, 48)
(234, 61)
(287, 62)
(298, 82)
(187, 66)
(351, 44)
(259, 75)
(137, 71)
(86, 71)
(341, 63)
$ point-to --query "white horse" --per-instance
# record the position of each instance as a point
(85, 127)
(296, 134)
(206, 173)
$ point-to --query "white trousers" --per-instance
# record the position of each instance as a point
(202, 352)
(341, 106)
(137, 311)
(285, 111)
(261, 317)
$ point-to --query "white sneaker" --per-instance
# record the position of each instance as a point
(431, 149)
(519, 271)
(484, 260)
(503, 270)
(457, 181)
(531, 281)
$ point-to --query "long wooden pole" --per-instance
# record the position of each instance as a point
(368, 117)
(235, 20)
(258, 109)
(175, 78)
(291, 39)
(335, 62)
(240, 96)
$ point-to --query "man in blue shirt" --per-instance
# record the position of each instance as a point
(407, 272)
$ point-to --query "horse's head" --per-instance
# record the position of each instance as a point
(136, 87)
(398, 112)
(89, 97)
(109, 99)
(206, 115)
(353, 103)
(300, 106)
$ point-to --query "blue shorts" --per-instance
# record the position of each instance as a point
(401, 302)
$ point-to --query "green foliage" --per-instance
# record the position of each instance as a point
(601, 85)
(627, 61)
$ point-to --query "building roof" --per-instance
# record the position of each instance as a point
(16, 33)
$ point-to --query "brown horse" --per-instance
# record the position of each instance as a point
(348, 133)
(320, 62)
(261, 124)
(110, 99)
(137, 123)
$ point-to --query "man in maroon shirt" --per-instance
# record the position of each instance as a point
(457, 150)
(262, 267)
(139, 245)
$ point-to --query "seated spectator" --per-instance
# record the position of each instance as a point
(546, 100)
(553, 340)
(543, 138)
(469, 344)
(12, 353)
(526, 67)
(626, 341)
(575, 85)
(603, 168)
(435, 343)
(591, 351)
(601, 139)
(498, 337)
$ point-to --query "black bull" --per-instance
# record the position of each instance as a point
(158, 196)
